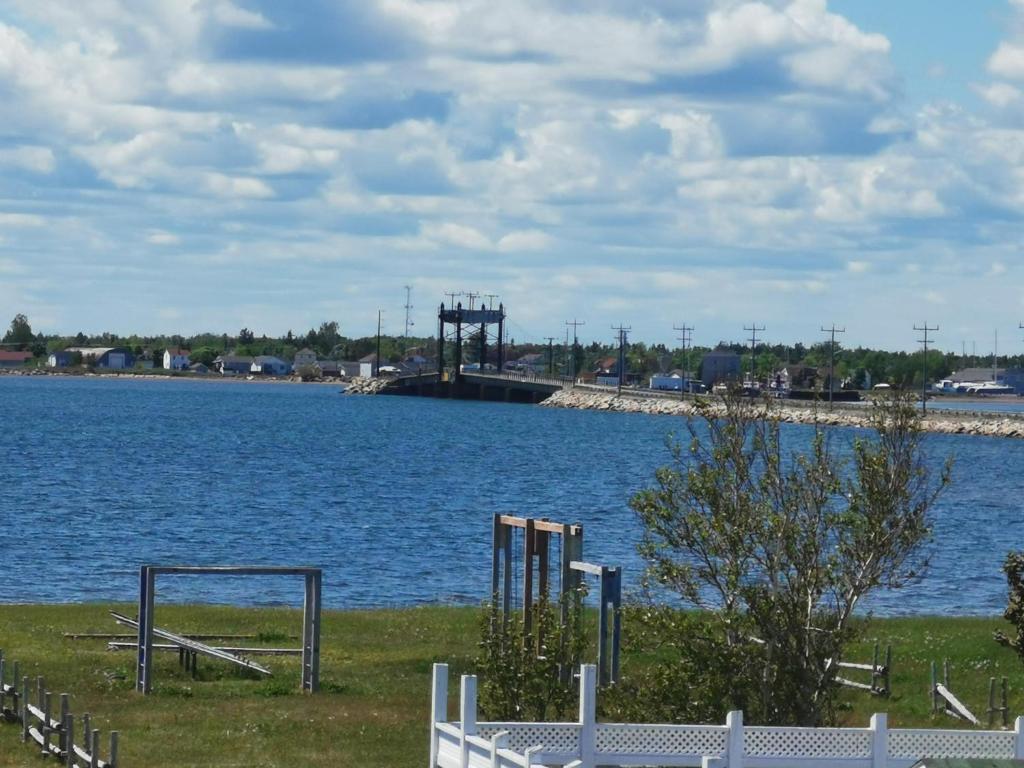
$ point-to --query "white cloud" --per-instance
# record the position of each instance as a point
(159, 237)
(222, 185)
(21, 220)
(450, 233)
(858, 267)
(524, 240)
(29, 158)
(1007, 61)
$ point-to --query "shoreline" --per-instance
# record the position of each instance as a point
(151, 376)
(986, 424)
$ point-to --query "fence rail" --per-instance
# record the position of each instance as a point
(53, 733)
(467, 743)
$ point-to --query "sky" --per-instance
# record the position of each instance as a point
(179, 166)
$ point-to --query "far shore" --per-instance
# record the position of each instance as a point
(157, 375)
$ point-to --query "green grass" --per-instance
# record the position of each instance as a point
(375, 673)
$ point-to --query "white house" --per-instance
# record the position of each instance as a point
(176, 359)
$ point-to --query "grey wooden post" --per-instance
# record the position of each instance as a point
(65, 708)
(602, 630)
(86, 729)
(616, 601)
(529, 540)
(506, 598)
(18, 703)
(24, 709)
(69, 736)
(144, 666)
(45, 729)
(311, 633)
(496, 530)
(94, 749)
(3, 682)
(112, 758)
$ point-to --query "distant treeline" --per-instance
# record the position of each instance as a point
(857, 365)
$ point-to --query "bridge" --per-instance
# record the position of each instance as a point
(508, 386)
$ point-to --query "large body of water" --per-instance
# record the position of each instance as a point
(392, 497)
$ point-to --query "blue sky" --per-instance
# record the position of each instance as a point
(172, 166)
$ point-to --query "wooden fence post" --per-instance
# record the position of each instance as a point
(467, 716)
(112, 760)
(734, 750)
(879, 740)
(1018, 739)
(24, 709)
(69, 734)
(438, 707)
(588, 714)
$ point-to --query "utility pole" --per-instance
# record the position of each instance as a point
(551, 355)
(472, 297)
(451, 298)
(687, 331)
(831, 359)
(376, 362)
(408, 309)
(753, 343)
(924, 382)
(492, 297)
(622, 329)
(572, 365)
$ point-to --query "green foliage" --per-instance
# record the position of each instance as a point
(1013, 567)
(520, 679)
(20, 333)
(204, 355)
(778, 547)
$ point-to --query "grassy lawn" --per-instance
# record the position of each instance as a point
(375, 673)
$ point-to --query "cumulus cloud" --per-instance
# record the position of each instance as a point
(656, 143)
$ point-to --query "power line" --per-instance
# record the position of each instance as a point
(551, 355)
(924, 380)
(622, 330)
(575, 324)
(753, 343)
(831, 358)
(686, 338)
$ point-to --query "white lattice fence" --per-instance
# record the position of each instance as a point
(587, 743)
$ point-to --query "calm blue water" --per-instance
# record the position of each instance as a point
(392, 497)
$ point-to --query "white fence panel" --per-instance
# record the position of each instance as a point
(587, 743)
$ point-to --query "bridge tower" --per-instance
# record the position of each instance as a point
(466, 322)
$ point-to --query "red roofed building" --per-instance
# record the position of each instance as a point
(10, 359)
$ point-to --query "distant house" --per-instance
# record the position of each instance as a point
(268, 365)
(798, 377)
(347, 369)
(367, 365)
(719, 365)
(60, 359)
(199, 368)
(13, 359)
(304, 357)
(110, 358)
(232, 365)
(176, 359)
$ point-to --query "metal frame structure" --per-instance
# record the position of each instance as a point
(310, 614)
(611, 604)
(461, 317)
(536, 547)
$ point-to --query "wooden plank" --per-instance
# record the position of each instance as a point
(122, 646)
(955, 706)
(540, 525)
(594, 570)
(190, 636)
(235, 570)
(529, 540)
(195, 645)
(853, 684)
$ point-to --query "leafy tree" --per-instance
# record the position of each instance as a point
(245, 336)
(20, 333)
(779, 547)
(204, 355)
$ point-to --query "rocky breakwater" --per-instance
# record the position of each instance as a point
(361, 386)
(945, 422)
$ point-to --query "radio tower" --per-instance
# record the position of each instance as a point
(408, 310)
